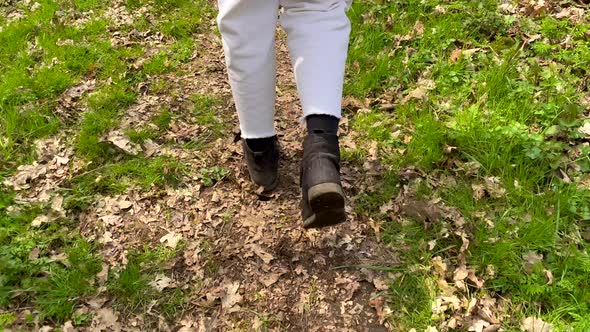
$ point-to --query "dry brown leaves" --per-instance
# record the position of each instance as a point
(68, 106)
(458, 304)
(421, 91)
(246, 253)
(533, 324)
(492, 186)
(36, 183)
(458, 53)
(536, 8)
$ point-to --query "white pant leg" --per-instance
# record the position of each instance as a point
(317, 34)
(248, 30)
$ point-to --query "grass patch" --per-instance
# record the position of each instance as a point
(133, 286)
(116, 178)
(511, 108)
(50, 267)
(206, 112)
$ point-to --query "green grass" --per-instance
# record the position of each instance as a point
(501, 108)
(132, 289)
(51, 269)
(54, 286)
(512, 108)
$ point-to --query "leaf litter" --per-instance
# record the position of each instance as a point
(265, 262)
(245, 254)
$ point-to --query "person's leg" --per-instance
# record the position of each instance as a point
(317, 34)
(248, 30)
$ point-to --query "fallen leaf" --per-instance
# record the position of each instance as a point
(494, 187)
(124, 205)
(268, 279)
(232, 296)
(492, 328)
(421, 91)
(378, 304)
(121, 141)
(265, 256)
(380, 283)
(530, 259)
(171, 239)
(507, 8)
(162, 282)
(460, 273)
(68, 327)
(385, 208)
(533, 324)
(418, 28)
(103, 275)
(440, 9)
(479, 191)
(43, 219)
(478, 325)
(431, 244)
(455, 55)
(439, 266)
(548, 276)
(62, 258)
(57, 205)
(471, 51)
(585, 129)
(150, 148)
(105, 320)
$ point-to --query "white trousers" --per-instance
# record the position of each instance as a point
(317, 36)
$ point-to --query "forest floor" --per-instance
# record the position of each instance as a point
(125, 203)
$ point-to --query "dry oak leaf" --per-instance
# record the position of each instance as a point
(122, 142)
(105, 320)
(162, 282)
(264, 255)
(232, 296)
(533, 324)
(458, 53)
(479, 191)
(421, 91)
(268, 279)
(460, 273)
(171, 239)
(380, 283)
(494, 187)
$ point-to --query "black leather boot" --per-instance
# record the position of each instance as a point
(263, 164)
(323, 199)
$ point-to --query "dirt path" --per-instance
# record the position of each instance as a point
(245, 258)
(248, 259)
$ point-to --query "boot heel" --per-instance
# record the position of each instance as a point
(327, 203)
(326, 193)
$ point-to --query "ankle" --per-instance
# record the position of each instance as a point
(260, 144)
(322, 124)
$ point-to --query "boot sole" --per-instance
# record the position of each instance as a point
(270, 187)
(327, 203)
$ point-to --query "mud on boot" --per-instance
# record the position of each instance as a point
(322, 196)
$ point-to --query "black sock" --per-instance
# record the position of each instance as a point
(322, 124)
(260, 144)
